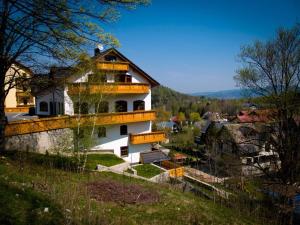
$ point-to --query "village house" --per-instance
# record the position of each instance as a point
(119, 100)
(19, 98)
(249, 143)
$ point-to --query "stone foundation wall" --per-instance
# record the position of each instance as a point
(51, 141)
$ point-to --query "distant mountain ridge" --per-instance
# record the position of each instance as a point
(224, 94)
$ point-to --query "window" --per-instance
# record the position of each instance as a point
(123, 78)
(138, 105)
(124, 151)
(101, 132)
(43, 106)
(123, 130)
(110, 58)
(101, 107)
(121, 106)
(84, 108)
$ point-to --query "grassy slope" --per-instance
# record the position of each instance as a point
(147, 170)
(102, 159)
(26, 189)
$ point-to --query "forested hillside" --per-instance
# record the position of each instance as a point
(169, 100)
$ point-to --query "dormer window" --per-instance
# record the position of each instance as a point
(110, 58)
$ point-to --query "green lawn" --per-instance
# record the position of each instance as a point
(147, 170)
(32, 192)
(102, 159)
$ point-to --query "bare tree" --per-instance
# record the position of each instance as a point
(271, 69)
(39, 32)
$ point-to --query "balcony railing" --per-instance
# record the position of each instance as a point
(113, 66)
(53, 123)
(147, 137)
(108, 88)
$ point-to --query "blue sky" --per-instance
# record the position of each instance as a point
(192, 45)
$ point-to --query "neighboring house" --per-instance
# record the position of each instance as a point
(251, 143)
(124, 91)
(19, 97)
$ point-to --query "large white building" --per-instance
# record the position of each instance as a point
(118, 97)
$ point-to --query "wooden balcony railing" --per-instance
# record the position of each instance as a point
(113, 66)
(53, 123)
(108, 88)
(147, 137)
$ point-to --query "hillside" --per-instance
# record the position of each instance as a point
(35, 191)
(164, 96)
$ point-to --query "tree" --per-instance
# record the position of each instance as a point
(271, 69)
(181, 117)
(36, 32)
(194, 116)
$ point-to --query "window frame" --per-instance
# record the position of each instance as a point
(122, 129)
(46, 104)
(103, 132)
(122, 149)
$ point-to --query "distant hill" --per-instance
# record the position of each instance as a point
(164, 96)
(226, 94)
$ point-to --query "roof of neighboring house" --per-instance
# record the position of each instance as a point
(153, 156)
(166, 124)
(248, 137)
(152, 81)
(257, 115)
(179, 156)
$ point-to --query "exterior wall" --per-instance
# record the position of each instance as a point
(113, 141)
(11, 99)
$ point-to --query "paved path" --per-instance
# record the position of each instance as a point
(120, 167)
(200, 175)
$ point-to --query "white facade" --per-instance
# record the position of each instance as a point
(113, 140)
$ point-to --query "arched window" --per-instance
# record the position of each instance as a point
(123, 130)
(121, 106)
(84, 108)
(101, 107)
(138, 105)
(43, 106)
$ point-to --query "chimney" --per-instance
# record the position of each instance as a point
(98, 49)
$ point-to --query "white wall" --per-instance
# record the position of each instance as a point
(113, 140)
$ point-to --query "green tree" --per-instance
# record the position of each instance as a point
(35, 32)
(181, 117)
(271, 69)
(194, 117)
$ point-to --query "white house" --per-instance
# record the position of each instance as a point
(119, 98)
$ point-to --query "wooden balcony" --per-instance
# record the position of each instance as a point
(53, 123)
(113, 66)
(147, 137)
(108, 88)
